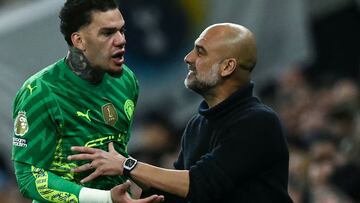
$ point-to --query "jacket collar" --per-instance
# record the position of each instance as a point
(228, 104)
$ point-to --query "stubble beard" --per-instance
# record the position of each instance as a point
(202, 83)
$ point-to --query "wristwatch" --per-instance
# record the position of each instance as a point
(129, 165)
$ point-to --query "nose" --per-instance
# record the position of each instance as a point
(188, 58)
(119, 39)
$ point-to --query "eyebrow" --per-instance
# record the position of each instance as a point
(105, 29)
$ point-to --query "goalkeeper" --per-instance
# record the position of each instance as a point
(86, 98)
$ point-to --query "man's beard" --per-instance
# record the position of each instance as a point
(202, 83)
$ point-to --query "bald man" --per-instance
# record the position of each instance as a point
(233, 149)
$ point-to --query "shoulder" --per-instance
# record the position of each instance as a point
(263, 122)
(196, 122)
(195, 119)
(37, 85)
(127, 72)
(128, 77)
(255, 116)
(262, 111)
(45, 75)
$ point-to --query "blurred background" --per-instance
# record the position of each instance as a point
(308, 72)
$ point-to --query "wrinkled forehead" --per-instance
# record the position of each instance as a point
(213, 42)
(210, 39)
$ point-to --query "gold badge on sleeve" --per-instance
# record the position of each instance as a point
(21, 125)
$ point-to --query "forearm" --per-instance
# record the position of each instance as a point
(171, 181)
(44, 186)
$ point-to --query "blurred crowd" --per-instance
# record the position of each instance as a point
(322, 124)
(9, 2)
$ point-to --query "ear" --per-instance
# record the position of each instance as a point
(228, 66)
(77, 41)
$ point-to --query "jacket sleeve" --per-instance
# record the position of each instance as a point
(169, 198)
(44, 186)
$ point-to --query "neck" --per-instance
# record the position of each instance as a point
(79, 64)
(214, 96)
(221, 93)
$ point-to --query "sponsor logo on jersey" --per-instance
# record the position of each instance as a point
(31, 89)
(109, 114)
(19, 142)
(120, 139)
(84, 115)
(21, 125)
(129, 108)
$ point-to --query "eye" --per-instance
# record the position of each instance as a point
(123, 30)
(107, 33)
(198, 51)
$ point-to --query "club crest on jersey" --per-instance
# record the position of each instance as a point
(21, 125)
(129, 108)
(109, 114)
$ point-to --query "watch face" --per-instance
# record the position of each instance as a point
(130, 162)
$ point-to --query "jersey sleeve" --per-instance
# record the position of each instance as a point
(36, 125)
(44, 186)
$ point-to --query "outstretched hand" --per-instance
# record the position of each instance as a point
(104, 163)
(119, 195)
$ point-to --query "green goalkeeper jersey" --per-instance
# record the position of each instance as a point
(55, 109)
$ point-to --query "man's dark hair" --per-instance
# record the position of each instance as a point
(77, 13)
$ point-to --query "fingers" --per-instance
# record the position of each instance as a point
(82, 168)
(90, 177)
(87, 167)
(81, 157)
(119, 194)
(152, 199)
(84, 149)
(87, 153)
(160, 198)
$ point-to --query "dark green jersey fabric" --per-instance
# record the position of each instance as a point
(55, 109)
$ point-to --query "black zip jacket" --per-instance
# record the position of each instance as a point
(235, 152)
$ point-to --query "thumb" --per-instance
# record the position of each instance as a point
(122, 188)
(111, 147)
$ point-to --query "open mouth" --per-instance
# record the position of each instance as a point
(118, 58)
(117, 55)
